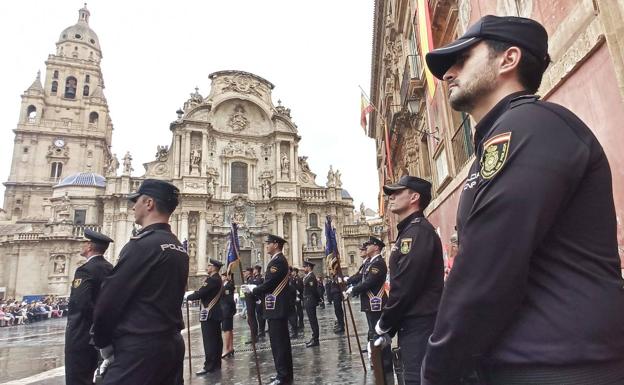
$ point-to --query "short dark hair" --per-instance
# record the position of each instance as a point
(530, 69)
(99, 247)
(424, 201)
(161, 206)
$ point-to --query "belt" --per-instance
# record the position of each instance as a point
(604, 373)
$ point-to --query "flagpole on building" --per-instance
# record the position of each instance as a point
(234, 246)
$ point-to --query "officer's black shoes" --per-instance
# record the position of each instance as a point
(201, 372)
(312, 343)
(277, 381)
(339, 330)
(261, 335)
(294, 336)
(228, 354)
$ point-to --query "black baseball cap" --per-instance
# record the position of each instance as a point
(520, 31)
(158, 189)
(421, 186)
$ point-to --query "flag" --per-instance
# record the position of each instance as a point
(331, 245)
(425, 39)
(366, 109)
(233, 247)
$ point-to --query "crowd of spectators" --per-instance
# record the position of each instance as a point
(14, 312)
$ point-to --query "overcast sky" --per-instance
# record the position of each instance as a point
(316, 53)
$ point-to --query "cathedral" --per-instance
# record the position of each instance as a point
(232, 153)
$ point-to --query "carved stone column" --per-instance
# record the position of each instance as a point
(280, 225)
(278, 160)
(201, 243)
(204, 163)
(183, 226)
(294, 238)
(186, 154)
(215, 249)
(293, 163)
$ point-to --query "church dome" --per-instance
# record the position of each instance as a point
(83, 179)
(81, 32)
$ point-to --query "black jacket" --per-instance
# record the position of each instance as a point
(228, 305)
(310, 290)
(357, 277)
(144, 293)
(373, 279)
(276, 271)
(416, 273)
(537, 278)
(207, 293)
(85, 290)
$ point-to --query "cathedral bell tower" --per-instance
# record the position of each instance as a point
(64, 125)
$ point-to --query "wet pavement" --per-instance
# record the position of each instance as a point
(33, 354)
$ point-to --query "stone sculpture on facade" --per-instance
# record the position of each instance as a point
(162, 153)
(331, 177)
(337, 179)
(59, 264)
(113, 165)
(127, 164)
(285, 164)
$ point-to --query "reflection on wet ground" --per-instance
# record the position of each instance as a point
(33, 354)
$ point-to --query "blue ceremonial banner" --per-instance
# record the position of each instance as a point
(232, 255)
(331, 246)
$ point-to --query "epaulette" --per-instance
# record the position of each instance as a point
(416, 220)
(524, 99)
(142, 235)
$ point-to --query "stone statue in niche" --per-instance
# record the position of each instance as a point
(266, 189)
(113, 165)
(285, 164)
(127, 163)
(314, 240)
(337, 178)
(217, 220)
(59, 264)
(331, 178)
(211, 187)
(196, 156)
(192, 227)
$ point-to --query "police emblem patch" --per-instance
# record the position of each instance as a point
(374, 270)
(311, 283)
(273, 269)
(76, 282)
(406, 245)
(495, 151)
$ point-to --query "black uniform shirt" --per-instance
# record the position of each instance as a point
(357, 277)
(276, 271)
(310, 289)
(209, 290)
(537, 278)
(85, 290)
(416, 273)
(143, 294)
(373, 279)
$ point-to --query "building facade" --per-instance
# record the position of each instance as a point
(428, 139)
(233, 154)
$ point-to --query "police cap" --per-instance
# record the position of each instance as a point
(519, 31)
(215, 263)
(376, 242)
(95, 237)
(275, 239)
(421, 186)
(258, 267)
(363, 247)
(158, 189)
(308, 264)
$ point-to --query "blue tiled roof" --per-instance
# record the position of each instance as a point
(83, 179)
(345, 194)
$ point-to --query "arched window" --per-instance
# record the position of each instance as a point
(56, 169)
(87, 78)
(31, 112)
(93, 117)
(239, 178)
(54, 87)
(70, 87)
(85, 91)
(313, 220)
(55, 75)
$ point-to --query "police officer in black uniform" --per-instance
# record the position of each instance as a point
(357, 277)
(416, 275)
(373, 296)
(139, 310)
(299, 303)
(80, 355)
(294, 298)
(276, 303)
(335, 293)
(311, 298)
(258, 280)
(210, 317)
(251, 305)
(535, 294)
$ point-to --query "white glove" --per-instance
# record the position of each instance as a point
(247, 289)
(108, 353)
(259, 302)
(340, 279)
(383, 341)
(348, 292)
(187, 294)
(345, 295)
(297, 299)
(379, 330)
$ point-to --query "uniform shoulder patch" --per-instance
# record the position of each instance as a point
(495, 151)
(273, 269)
(142, 235)
(76, 283)
(311, 283)
(374, 270)
(406, 245)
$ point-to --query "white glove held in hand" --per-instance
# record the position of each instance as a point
(383, 341)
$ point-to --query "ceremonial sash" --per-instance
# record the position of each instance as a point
(376, 300)
(270, 299)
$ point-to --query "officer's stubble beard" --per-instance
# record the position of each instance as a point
(470, 90)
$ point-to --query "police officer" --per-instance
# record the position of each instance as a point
(357, 277)
(210, 317)
(80, 355)
(311, 299)
(373, 295)
(139, 310)
(258, 280)
(251, 304)
(292, 308)
(335, 293)
(299, 303)
(535, 294)
(276, 303)
(416, 275)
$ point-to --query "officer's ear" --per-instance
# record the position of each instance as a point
(509, 60)
(415, 197)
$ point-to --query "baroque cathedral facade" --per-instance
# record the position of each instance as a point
(232, 153)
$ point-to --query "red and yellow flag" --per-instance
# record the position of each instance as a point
(366, 109)
(425, 39)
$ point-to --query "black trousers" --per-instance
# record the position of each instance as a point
(213, 343)
(386, 354)
(299, 307)
(260, 319)
(292, 318)
(80, 366)
(338, 310)
(413, 336)
(251, 315)
(147, 360)
(280, 347)
(310, 307)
